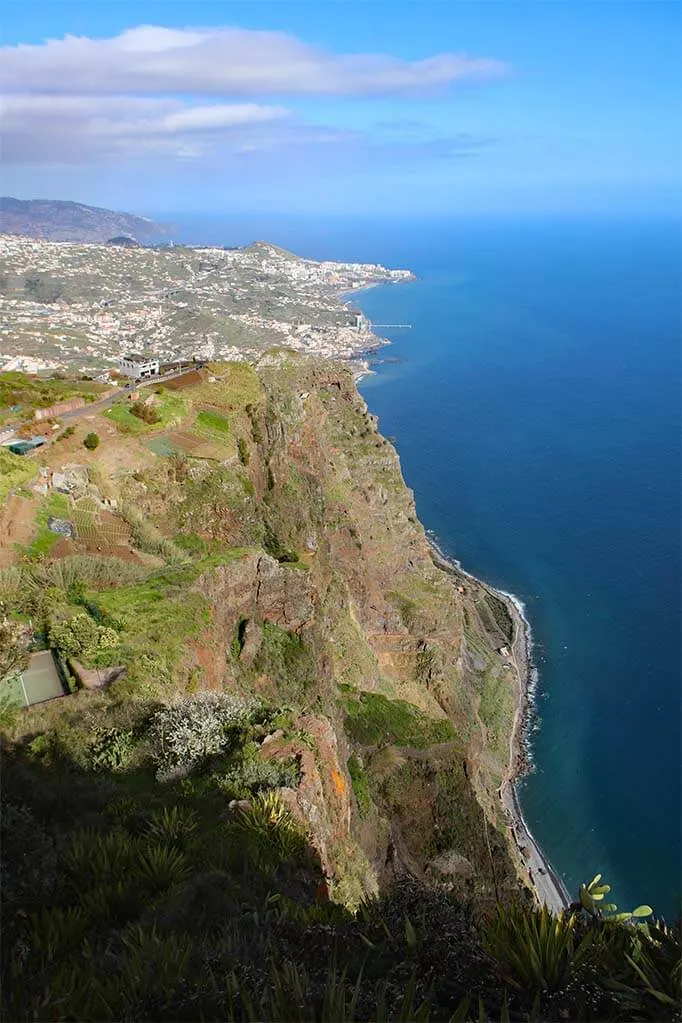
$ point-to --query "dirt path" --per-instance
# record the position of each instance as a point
(17, 525)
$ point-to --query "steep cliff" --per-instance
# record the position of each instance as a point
(340, 597)
(272, 792)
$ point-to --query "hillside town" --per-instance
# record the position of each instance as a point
(82, 307)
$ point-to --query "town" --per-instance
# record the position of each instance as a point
(83, 307)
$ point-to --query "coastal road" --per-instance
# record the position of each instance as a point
(549, 887)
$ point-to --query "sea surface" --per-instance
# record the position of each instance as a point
(536, 411)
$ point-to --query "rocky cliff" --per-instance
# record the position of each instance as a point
(297, 572)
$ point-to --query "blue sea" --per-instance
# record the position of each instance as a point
(536, 410)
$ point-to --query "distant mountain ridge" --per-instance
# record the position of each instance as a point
(58, 220)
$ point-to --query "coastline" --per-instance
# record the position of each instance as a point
(533, 863)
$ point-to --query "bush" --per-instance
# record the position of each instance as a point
(10, 712)
(68, 432)
(185, 733)
(243, 451)
(375, 720)
(360, 785)
(111, 748)
(146, 412)
(81, 636)
(252, 776)
(91, 441)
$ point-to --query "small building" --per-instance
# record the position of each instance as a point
(23, 447)
(138, 367)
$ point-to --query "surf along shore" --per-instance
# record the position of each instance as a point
(534, 865)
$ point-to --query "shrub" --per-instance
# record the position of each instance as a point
(81, 636)
(91, 441)
(111, 748)
(287, 659)
(185, 733)
(360, 785)
(374, 719)
(174, 825)
(252, 776)
(243, 451)
(146, 412)
(274, 832)
(13, 650)
(68, 432)
(10, 712)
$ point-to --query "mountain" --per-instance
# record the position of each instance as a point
(56, 220)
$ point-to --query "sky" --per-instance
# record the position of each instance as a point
(344, 107)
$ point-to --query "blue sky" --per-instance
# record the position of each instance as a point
(353, 107)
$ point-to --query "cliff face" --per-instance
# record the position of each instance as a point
(276, 553)
(349, 602)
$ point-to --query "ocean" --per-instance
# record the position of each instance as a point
(535, 405)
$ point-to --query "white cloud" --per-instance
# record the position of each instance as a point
(151, 59)
(90, 129)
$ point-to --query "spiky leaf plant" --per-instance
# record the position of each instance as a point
(537, 949)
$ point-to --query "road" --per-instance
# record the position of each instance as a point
(104, 403)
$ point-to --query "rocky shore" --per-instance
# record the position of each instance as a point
(533, 865)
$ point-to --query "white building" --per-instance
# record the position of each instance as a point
(139, 367)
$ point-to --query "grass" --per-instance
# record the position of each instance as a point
(496, 708)
(170, 407)
(237, 385)
(372, 719)
(14, 470)
(213, 424)
(31, 393)
(360, 784)
(288, 660)
(56, 505)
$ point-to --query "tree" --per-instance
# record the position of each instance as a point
(40, 287)
(91, 441)
(14, 656)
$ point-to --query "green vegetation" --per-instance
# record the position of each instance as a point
(360, 785)
(287, 660)
(147, 413)
(91, 441)
(237, 385)
(169, 409)
(174, 851)
(26, 393)
(213, 424)
(496, 707)
(54, 505)
(243, 451)
(15, 470)
(373, 720)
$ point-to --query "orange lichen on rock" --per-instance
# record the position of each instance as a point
(339, 782)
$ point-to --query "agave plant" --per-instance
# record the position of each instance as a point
(160, 867)
(538, 950)
(269, 823)
(172, 825)
(656, 961)
(92, 855)
(57, 930)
